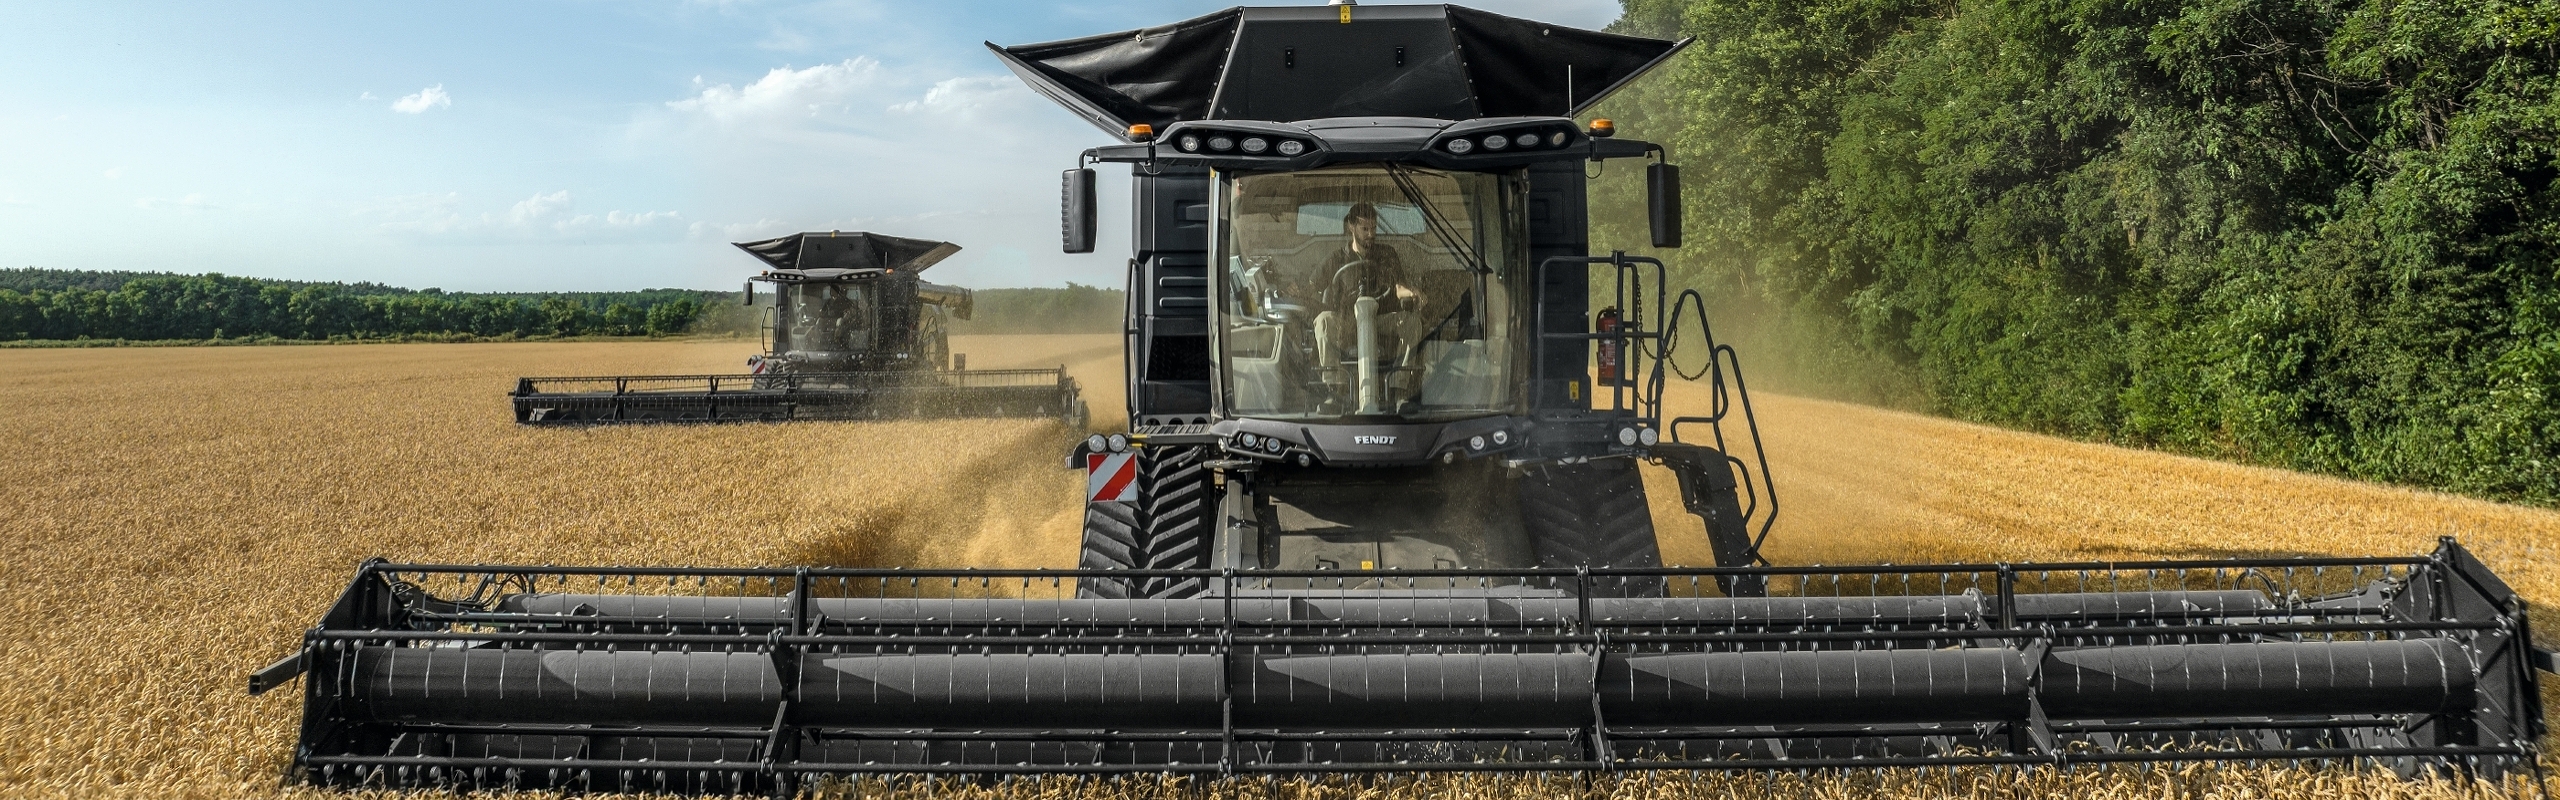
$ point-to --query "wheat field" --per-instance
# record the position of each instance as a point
(174, 517)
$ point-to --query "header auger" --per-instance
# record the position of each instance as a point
(764, 680)
(1379, 510)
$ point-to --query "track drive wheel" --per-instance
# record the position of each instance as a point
(1167, 527)
(1592, 515)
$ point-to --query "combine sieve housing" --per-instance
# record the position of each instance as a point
(762, 680)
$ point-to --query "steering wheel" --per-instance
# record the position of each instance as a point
(1336, 282)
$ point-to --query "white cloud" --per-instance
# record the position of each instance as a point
(113, 173)
(545, 215)
(367, 96)
(627, 219)
(866, 145)
(538, 207)
(427, 98)
(737, 231)
(970, 97)
(188, 204)
(786, 93)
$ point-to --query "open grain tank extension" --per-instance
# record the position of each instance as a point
(1378, 510)
(853, 333)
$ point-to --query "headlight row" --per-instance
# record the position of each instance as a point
(1248, 144)
(1256, 445)
(1509, 140)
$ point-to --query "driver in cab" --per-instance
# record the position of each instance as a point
(1375, 269)
(1364, 267)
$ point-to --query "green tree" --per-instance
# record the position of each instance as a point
(673, 317)
(2297, 232)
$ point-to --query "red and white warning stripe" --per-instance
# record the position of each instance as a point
(1111, 477)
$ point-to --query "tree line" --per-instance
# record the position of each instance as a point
(72, 305)
(43, 304)
(1075, 309)
(2303, 233)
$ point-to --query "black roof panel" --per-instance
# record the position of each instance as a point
(1301, 63)
(849, 250)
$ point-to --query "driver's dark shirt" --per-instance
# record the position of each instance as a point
(1378, 278)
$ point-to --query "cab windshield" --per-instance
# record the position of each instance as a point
(828, 317)
(1370, 291)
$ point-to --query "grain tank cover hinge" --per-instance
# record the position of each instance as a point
(1302, 63)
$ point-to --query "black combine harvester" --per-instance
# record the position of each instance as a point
(853, 333)
(1378, 511)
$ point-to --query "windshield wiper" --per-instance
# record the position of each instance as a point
(1431, 219)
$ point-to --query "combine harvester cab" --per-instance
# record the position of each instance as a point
(853, 333)
(1388, 521)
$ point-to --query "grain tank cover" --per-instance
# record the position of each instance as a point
(1301, 63)
(856, 250)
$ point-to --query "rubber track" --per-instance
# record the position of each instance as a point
(1169, 527)
(1592, 515)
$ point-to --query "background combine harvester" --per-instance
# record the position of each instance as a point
(1378, 513)
(853, 333)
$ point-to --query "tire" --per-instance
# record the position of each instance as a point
(1592, 515)
(1169, 526)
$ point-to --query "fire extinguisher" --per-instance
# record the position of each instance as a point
(1608, 347)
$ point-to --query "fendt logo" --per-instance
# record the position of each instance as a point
(1373, 440)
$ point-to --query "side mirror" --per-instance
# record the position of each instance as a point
(1076, 214)
(1662, 203)
(751, 293)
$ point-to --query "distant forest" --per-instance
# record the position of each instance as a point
(76, 304)
(2308, 234)
(1075, 309)
(65, 305)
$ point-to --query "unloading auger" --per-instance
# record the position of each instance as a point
(853, 333)
(764, 680)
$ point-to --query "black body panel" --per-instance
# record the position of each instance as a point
(1559, 227)
(1168, 333)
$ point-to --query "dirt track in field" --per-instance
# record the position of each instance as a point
(174, 517)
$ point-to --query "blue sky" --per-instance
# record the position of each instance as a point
(527, 146)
